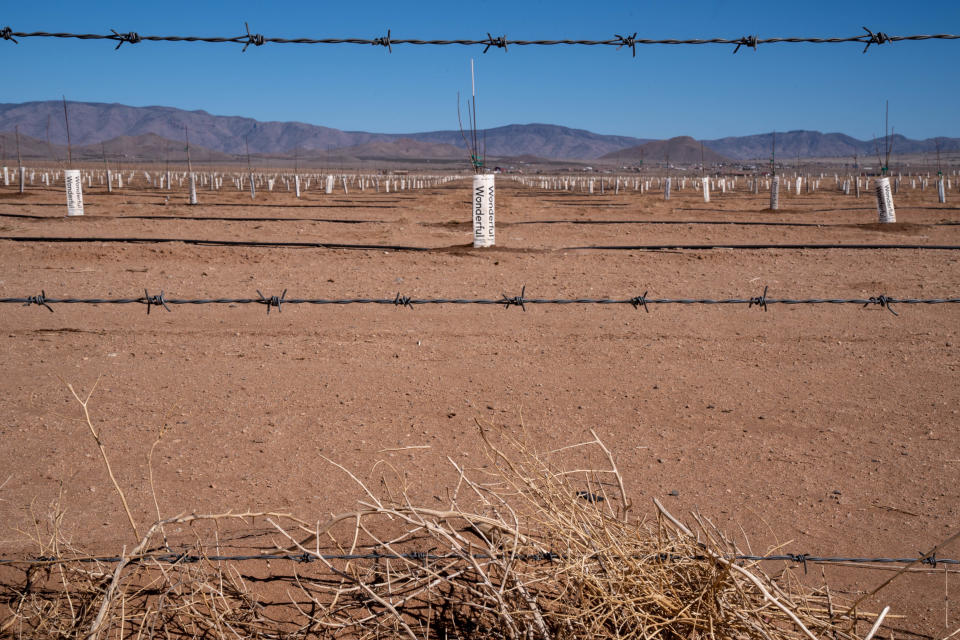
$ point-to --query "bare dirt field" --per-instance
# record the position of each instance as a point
(829, 430)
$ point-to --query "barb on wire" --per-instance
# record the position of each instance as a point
(185, 558)
(132, 37)
(501, 42)
(516, 301)
(877, 38)
(746, 41)
(383, 42)
(272, 301)
(403, 301)
(254, 39)
(640, 300)
(883, 301)
(799, 558)
(154, 301)
(590, 497)
(628, 41)
(40, 300)
(760, 301)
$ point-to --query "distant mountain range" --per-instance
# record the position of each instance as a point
(150, 147)
(813, 144)
(141, 131)
(92, 123)
(682, 150)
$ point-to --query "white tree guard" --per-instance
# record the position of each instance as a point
(478, 202)
(885, 211)
(74, 186)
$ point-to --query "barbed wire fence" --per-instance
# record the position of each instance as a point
(270, 302)
(277, 302)
(868, 38)
(929, 562)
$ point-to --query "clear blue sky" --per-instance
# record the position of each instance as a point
(702, 91)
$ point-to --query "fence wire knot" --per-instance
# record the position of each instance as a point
(499, 42)
(272, 301)
(883, 301)
(799, 558)
(515, 301)
(639, 301)
(627, 41)
(133, 38)
(877, 38)
(185, 558)
(760, 301)
(590, 497)
(420, 556)
(746, 41)
(932, 560)
(40, 300)
(154, 301)
(7, 34)
(255, 39)
(383, 42)
(304, 557)
(403, 301)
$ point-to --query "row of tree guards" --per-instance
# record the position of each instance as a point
(299, 183)
(344, 182)
(483, 197)
(882, 186)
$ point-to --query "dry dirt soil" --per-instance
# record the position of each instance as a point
(829, 430)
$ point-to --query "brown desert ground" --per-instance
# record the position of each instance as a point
(830, 430)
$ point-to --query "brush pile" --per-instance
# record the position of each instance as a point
(525, 548)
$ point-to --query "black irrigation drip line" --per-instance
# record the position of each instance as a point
(759, 247)
(27, 216)
(574, 221)
(498, 42)
(392, 247)
(420, 556)
(743, 223)
(399, 300)
(221, 243)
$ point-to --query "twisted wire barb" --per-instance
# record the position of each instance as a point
(747, 41)
(272, 301)
(40, 300)
(400, 300)
(132, 37)
(500, 42)
(258, 40)
(155, 301)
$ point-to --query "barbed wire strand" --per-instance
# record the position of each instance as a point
(306, 557)
(618, 41)
(399, 300)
